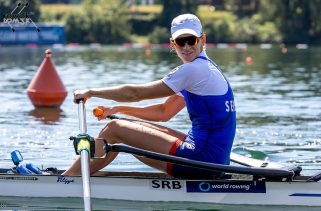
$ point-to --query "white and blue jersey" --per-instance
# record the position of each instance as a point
(210, 104)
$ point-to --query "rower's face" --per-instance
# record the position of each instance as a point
(185, 48)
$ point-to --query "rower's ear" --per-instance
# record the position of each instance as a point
(203, 38)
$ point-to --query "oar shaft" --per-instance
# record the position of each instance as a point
(85, 173)
(82, 117)
(84, 156)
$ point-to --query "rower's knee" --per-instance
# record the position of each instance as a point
(110, 131)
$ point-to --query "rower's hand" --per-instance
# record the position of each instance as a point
(81, 94)
(102, 112)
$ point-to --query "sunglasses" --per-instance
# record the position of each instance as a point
(191, 40)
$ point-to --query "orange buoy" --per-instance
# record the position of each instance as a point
(46, 88)
(249, 60)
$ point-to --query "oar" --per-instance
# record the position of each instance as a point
(271, 172)
(83, 149)
(255, 171)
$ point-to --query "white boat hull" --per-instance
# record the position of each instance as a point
(155, 188)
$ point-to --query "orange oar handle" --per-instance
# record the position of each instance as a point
(98, 112)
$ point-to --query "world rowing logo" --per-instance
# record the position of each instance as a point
(204, 186)
(226, 186)
(17, 17)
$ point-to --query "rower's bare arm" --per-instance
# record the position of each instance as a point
(158, 112)
(131, 92)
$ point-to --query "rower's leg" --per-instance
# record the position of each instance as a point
(135, 133)
(96, 163)
(144, 136)
(152, 162)
(158, 127)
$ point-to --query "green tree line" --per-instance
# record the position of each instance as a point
(251, 21)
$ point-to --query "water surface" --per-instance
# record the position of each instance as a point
(277, 99)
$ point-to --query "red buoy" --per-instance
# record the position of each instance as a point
(46, 88)
(249, 60)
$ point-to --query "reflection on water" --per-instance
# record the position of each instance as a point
(47, 115)
(277, 99)
(16, 203)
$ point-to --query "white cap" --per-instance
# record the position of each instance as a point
(186, 24)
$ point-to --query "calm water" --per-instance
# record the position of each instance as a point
(277, 97)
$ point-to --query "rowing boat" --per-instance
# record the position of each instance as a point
(247, 181)
(258, 186)
(160, 187)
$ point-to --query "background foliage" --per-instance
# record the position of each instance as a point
(250, 21)
(99, 23)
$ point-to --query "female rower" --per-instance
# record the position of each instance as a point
(197, 84)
